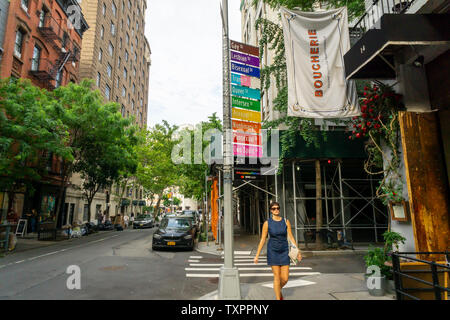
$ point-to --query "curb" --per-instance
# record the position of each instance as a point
(309, 253)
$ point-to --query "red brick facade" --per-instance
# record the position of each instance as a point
(40, 45)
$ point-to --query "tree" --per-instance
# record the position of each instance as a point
(101, 140)
(106, 151)
(30, 129)
(155, 170)
(82, 110)
(192, 175)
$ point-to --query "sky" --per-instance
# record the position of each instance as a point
(185, 37)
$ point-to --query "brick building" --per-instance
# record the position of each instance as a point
(41, 42)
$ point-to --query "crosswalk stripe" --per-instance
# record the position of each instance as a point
(245, 269)
(193, 260)
(242, 275)
(195, 257)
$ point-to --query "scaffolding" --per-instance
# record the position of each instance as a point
(347, 196)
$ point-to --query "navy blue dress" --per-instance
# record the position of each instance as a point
(278, 247)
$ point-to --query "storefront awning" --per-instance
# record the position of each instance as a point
(372, 57)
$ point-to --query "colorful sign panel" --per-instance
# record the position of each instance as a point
(245, 58)
(248, 127)
(246, 70)
(246, 81)
(246, 104)
(245, 92)
(245, 138)
(246, 115)
(245, 100)
(247, 151)
(242, 47)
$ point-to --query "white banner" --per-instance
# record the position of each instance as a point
(315, 44)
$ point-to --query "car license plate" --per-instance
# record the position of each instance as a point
(171, 243)
(142, 224)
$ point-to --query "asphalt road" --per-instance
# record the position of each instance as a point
(113, 265)
(121, 266)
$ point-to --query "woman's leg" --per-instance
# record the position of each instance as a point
(284, 275)
(276, 281)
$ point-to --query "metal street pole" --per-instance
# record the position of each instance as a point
(229, 287)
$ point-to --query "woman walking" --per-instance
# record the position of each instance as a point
(278, 248)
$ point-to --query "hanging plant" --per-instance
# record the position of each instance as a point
(379, 123)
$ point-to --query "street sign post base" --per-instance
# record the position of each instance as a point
(229, 287)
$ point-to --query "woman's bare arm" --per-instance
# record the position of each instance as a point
(265, 231)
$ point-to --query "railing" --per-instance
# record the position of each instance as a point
(374, 13)
(435, 268)
(43, 70)
(51, 28)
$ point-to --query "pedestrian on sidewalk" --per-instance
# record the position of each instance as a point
(278, 230)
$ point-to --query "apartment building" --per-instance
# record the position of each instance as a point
(4, 6)
(117, 55)
(41, 42)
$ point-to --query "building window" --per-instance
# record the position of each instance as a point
(119, 62)
(42, 16)
(113, 29)
(107, 92)
(102, 32)
(126, 55)
(123, 111)
(111, 49)
(24, 4)
(125, 73)
(19, 43)
(124, 91)
(99, 78)
(114, 9)
(109, 70)
(59, 77)
(100, 55)
(36, 58)
(104, 9)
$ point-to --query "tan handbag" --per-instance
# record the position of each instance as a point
(293, 253)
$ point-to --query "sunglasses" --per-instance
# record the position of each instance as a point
(275, 208)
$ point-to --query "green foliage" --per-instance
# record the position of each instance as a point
(102, 141)
(379, 122)
(155, 170)
(380, 256)
(192, 176)
(29, 126)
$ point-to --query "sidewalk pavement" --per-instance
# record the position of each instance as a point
(329, 286)
(31, 242)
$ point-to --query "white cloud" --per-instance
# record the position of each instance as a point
(186, 73)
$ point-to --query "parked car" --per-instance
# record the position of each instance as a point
(143, 221)
(174, 232)
(193, 219)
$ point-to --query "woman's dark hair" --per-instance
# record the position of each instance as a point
(273, 204)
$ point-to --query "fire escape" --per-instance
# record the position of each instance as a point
(45, 70)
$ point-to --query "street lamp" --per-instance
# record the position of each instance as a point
(229, 287)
